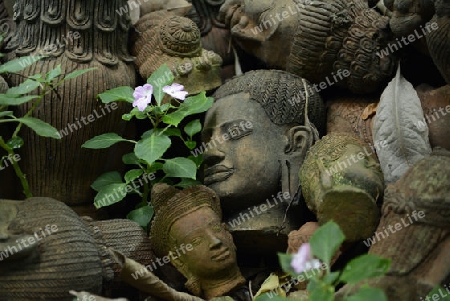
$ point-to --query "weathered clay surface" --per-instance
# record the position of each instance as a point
(342, 181)
(438, 40)
(414, 230)
(319, 39)
(352, 114)
(61, 169)
(61, 251)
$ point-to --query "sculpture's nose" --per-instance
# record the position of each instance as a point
(214, 241)
(212, 156)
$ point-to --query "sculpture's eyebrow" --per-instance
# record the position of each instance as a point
(211, 221)
(233, 122)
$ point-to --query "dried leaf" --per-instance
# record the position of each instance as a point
(398, 140)
(369, 111)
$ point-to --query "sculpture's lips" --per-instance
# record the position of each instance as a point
(217, 173)
(223, 254)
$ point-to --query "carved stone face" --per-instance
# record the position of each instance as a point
(263, 28)
(213, 252)
(362, 172)
(242, 161)
(341, 181)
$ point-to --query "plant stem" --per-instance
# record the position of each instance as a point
(18, 171)
(146, 193)
(35, 104)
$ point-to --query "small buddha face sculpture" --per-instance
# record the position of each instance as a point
(243, 152)
(342, 181)
(213, 252)
(260, 27)
(356, 167)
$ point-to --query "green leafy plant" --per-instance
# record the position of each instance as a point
(163, 103)
(15, 96)
(312, 263)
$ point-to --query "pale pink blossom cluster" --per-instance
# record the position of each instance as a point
(143, 94)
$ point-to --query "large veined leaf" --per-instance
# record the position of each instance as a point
(26, 87)
(400, 133)
(19, 64)
(40, 127)
(103, 141)
(152, 148)
(180, 167)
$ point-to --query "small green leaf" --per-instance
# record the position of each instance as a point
(103, 141)
(193, 127)
(53, 73)
(364, 267)
(190, 144)
(110, 194)
(108, 178)
(166, 132)
(142, 216)
(366, 293)
(185, 183)
(191, 105)
(26, 87)
(156, 166)
(152, 148)
(326, 240)
(198, 103)
(19, 64)
(15, 142)
(438, 291)
(6, 113)
(130, 159)
(133, 174)
(127, 117)
(165, 107)
(37, 77)
(10, 100)
(331, 277)
(138, 114)
(160, 78)
(124, 93)
(198, 160)
(77, 73)
(180, 168)
(40, 127)
(322, 294)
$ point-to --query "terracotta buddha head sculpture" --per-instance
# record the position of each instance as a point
(191, 219)
(342, 181)
(255, 138)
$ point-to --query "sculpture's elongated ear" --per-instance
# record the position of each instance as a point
(299, 140)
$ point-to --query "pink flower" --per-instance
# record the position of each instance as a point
(303, 260)
(142, 96)
(176, 91)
